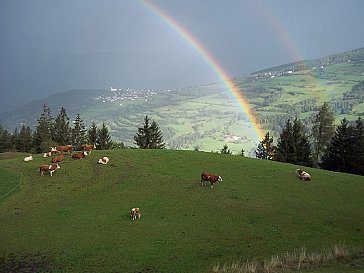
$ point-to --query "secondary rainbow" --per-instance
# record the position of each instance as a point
(211, 61)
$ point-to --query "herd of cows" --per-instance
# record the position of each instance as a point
(87, 149)
(61, 150)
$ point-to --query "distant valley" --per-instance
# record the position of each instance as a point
(206, 117)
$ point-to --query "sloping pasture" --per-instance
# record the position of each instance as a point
(78, 220)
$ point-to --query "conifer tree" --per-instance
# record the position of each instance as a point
(285, 151)
(337, 155)
(156, 137)
(61, 129)
(92, 133)
(149, 136)
(358, 146)
(293, 146)
(323, 130)
(225, 150)
(302, 145)
(104, 138)
(42, 136)
(3, 139)
(78, 132)
(24, 140)
(265, 148)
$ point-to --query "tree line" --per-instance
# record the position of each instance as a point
(51, 132)
(337, 149)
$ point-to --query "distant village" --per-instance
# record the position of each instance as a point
(128, 94)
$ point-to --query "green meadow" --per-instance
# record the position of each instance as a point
(78, 220)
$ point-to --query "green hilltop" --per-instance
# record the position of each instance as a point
(206, 117)
(78, 220)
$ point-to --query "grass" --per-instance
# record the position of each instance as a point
(78, 220)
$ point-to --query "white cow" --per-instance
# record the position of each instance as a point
(28, 158)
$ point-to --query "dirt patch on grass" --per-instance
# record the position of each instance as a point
(8, 155)
(25, 263)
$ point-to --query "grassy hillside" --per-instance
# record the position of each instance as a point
(78, 220)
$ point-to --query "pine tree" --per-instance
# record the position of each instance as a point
(302, 145)
(357, 147)
(337, 154)
(293, 145)
(285, 151)
(265, 148)
(156, 137)
(104, 138)
(92, 133)
(61, 130)
(225, 150)
(42, 137)
(78, 132)
(323, 130)
(23, 141)
(149, 136)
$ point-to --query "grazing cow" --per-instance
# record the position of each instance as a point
(103, 160)
(66, 148)
(48, 168)
(210, 178)
(303, 175)
(135, 213)
(88, 147)
(28, 158)
(58, 158)
(79, 155)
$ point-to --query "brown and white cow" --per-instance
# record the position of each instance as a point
(88, 147)
(79, 155)
(43, 168)
(205, 176)
(58, 158)
(303, 175)
(65, 148)
(52, 151)
(103, 160)
(135, 213)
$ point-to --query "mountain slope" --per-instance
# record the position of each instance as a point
(78, 220)
(206, 117)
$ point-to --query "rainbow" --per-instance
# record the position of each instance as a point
(211, 61)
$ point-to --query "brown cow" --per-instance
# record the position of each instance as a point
(79, 155)
(66, 148)
(135, 213)
(48, 168)
(88, 147)
(210, 178)
(58, 158)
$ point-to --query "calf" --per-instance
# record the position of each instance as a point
(210, 178)
(48, 168)
(58, 158)
(103, 160)
(79, 155)
(28, 158)
(135, 213)
(303, 175)
(88, 147)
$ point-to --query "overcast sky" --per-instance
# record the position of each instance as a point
(52, 46)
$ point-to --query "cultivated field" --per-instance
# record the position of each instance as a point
(78, 220)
